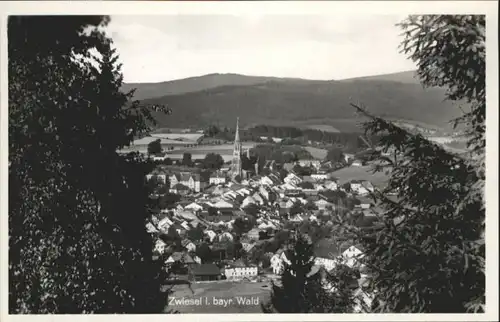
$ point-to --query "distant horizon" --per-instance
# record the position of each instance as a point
(271, 76)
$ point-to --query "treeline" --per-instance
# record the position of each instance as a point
(346, 139)
(227, 134)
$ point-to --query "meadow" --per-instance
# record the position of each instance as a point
(378, 179)
(319, 154)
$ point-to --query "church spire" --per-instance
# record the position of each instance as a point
(236, 163)
(237, 135)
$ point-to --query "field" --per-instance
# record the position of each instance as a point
(360, 173)
(319, 154)
(228, 291)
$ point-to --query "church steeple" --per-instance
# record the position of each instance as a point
(236, 162)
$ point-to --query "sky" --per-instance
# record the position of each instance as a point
(321, 47)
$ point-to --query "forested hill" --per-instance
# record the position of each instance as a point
(297, 102)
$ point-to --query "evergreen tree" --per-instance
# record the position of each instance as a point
(155, 147)
(428, 255)
(299, 292)
(77, 208)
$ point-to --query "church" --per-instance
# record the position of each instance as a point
(236, 168)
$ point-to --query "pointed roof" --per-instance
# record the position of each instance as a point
(237, 135)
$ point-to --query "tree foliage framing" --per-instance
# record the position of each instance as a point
(77, 208)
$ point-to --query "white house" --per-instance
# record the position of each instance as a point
(194, 206)
(319, 176)
(348, 156)
(160, 246)
(161, 177)
(263, 191)
(357, 163)
(210, 234)
(296, 218)
(248, 201)
(361, 187)
(278, 261)
(258, 198)
(150, 228)
(185, 225)
(236, 273)
(247, 247)
(331, 185)
(351, 255)
(309, 163)
(266, 181)
(292, 179)
(189, 245)
(159, 157)
(221, 204)
(217, 178)
(322, 204)
(165, 223)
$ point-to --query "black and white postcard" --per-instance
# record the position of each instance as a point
(245, 160)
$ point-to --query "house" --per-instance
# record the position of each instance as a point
(185, 225)
(225, 236)
(296, 218)
(292, 179)
(264, 192)
(248, 201)
(288, 166)
(326, 254)
(322, 204)
(160, 176)
(204, 272)
(278, 261)
(309, 163)
(247, 247)
(351, 254)
(173, 179)
(180, 257)
(160, 246)
(357, 163)
(210, 234)
(192, 181)
(194, 206)
(361, 187)
(240, 272)
(331, 185)
(258, 198)
(189, 245)
(217, 178)
(180, 189)
(222, 204)
(253, 234)
(270, 164)
(150, 228)
(266, 181)
(165, 224)
(348, 157)
(308, 179)
(319, 176)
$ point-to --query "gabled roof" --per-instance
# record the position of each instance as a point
(182, 257)
(180, 186)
